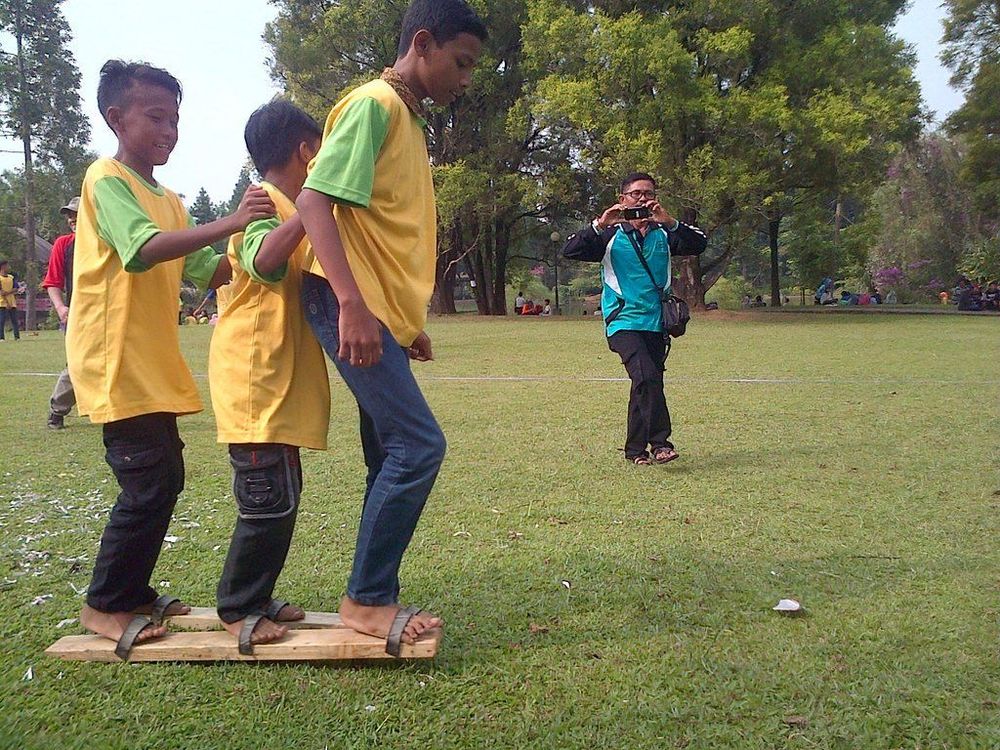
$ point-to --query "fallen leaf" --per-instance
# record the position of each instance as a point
(537, 629)
(796, 721)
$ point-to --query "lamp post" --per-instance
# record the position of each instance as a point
(555, 237)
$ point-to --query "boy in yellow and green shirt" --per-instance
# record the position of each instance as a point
(135, 242)
(8, 301)
(368, 208)
(270, 388)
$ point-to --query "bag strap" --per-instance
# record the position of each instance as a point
(642, 259)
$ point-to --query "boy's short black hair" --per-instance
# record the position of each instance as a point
(118, 78)
(445, 19)
(274, 132)
(635, 177)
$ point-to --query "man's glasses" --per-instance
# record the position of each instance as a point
(640, 194)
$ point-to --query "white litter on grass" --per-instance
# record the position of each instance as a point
(29, 675)
(369, 708)
(64, 623)
(567, 584)
(40, 599)
(787, 605)
(78, 591)
(164, 584)
(170, 539)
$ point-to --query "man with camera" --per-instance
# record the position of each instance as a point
(634, 241)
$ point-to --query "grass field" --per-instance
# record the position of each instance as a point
(849, 462)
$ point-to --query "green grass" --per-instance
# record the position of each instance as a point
(857, 471)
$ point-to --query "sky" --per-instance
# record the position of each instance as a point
(214, 47)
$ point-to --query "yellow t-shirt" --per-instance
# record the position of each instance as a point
(121, 338)
(374, 165)
(7, 298)
(266, 369)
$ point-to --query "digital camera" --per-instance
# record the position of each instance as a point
(636, 212)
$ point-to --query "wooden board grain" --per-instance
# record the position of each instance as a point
(328, 644)
(205, 618)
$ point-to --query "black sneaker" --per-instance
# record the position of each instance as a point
(55, 422)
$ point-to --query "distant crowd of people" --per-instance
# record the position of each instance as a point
(524, 306)
(973, 297)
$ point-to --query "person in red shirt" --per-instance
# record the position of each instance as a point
(59, 279)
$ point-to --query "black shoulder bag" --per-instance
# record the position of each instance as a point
(676, 313)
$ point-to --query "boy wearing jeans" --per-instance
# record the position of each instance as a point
(368, 208)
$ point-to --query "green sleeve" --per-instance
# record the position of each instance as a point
(253, 238)
(122, 223)
(345, 166)
(200, 266)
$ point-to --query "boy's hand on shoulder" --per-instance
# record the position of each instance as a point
(360, 335)
(420, 349)
(255, 204)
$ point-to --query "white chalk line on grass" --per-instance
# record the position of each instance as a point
(569, 379)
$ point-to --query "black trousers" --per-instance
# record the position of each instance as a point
(267, 482)
(146, 455)
(643, 353)
(9, 313)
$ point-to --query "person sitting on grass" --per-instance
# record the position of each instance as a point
(368, 208)
(270, 390)
(135, 241)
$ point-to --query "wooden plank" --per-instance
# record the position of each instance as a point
(205, 618)
(331, 644)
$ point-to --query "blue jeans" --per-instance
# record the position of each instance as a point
(403, 448)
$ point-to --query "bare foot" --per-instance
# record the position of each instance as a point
(290, 613)
(175, 608)
(376, 621)
(265, 632)
(112, 624)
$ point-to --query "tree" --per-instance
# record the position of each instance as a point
(972, 51)
(741, 107)
(920, 221)
(39, 104)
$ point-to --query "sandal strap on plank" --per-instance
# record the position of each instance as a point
(274, 608)
(250, 623)
(127, 641)
(393, 643)
(160, 606)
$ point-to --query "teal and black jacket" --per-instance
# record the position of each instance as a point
(630, 300)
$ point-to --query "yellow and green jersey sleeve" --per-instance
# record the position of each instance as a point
(124, 225)
(267, 372)
(121, 339)
(374, 167)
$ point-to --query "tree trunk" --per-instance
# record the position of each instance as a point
(445, 270)
(501, 248)
(838, 223)
(687, 283)
(30, 267)
(773, 225)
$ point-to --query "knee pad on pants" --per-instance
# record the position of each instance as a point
(266, 481)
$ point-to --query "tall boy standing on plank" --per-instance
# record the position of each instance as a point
(134, 243)
(368, 208)
(270, 388)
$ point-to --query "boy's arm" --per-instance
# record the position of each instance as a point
(267, 245)
(140, 244)
(207, 268)
(255, 204)
(360, 331)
